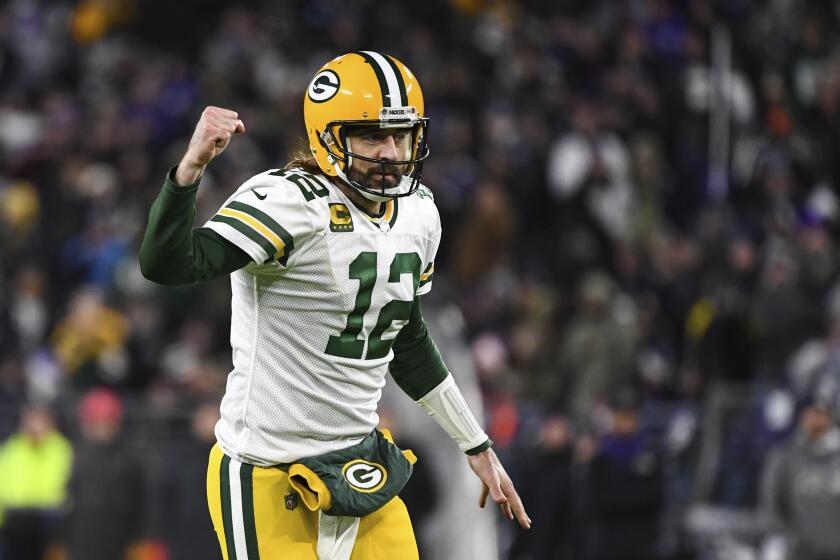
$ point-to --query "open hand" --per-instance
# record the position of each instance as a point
(498, 486)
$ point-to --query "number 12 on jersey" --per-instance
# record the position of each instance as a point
(363, 268)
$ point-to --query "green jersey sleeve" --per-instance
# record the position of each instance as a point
(172, 252)
(417, 366)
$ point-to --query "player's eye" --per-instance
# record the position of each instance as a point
(400, 137)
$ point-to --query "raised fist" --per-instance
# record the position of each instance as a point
(212, 134)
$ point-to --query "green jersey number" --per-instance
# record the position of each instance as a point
(306, 182)
(363, 268)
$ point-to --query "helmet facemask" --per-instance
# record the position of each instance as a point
(338, 146)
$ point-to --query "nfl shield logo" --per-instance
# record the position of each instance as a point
(292, 500)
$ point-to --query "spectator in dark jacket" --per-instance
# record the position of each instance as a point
(181, 518)
(544, 480)
(626, 488)
(106, 487)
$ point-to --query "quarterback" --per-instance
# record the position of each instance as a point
(327, 258)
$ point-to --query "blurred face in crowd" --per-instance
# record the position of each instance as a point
(101, 431)
(390, 144)
(100, 414)
(625, 422)
(779, 273)
(834, 334)
(585, 119)
(36, 423)
(815, 422)
(742, 255)
(555, 433)
(594, 294)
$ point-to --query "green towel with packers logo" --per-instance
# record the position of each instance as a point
(355, 481)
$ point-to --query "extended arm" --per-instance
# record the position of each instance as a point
(173, 253)
(419, 370)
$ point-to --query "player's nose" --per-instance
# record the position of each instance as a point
(388, 149)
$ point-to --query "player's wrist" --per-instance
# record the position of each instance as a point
(482, 448)
(188, 173)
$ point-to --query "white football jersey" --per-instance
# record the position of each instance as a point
(316, 312)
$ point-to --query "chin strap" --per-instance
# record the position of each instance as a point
(367, 195)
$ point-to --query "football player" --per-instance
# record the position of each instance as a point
(327, 257)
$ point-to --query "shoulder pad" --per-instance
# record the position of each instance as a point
(424, 192)
(294, 182)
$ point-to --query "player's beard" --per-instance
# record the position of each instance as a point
(366, 179)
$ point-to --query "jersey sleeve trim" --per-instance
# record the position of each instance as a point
(426, 276)
(240, 230)
(425, 284)
(259, 227)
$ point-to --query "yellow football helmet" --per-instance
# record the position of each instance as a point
(365, 88)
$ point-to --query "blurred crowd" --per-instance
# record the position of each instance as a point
(640, 211)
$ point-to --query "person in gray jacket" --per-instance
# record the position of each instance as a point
(800, 490)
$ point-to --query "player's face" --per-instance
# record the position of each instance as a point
(386, 144)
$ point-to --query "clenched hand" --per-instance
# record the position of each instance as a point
(212, 134)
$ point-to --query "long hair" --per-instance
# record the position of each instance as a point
(302, 158)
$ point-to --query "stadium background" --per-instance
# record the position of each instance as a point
(639, 202)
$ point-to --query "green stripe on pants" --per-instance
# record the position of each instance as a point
(246, 478)
(224, 476)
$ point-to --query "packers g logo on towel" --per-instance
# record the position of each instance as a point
(364, 476)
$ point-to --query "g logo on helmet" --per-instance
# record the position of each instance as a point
(323, 86)
(364, 476)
